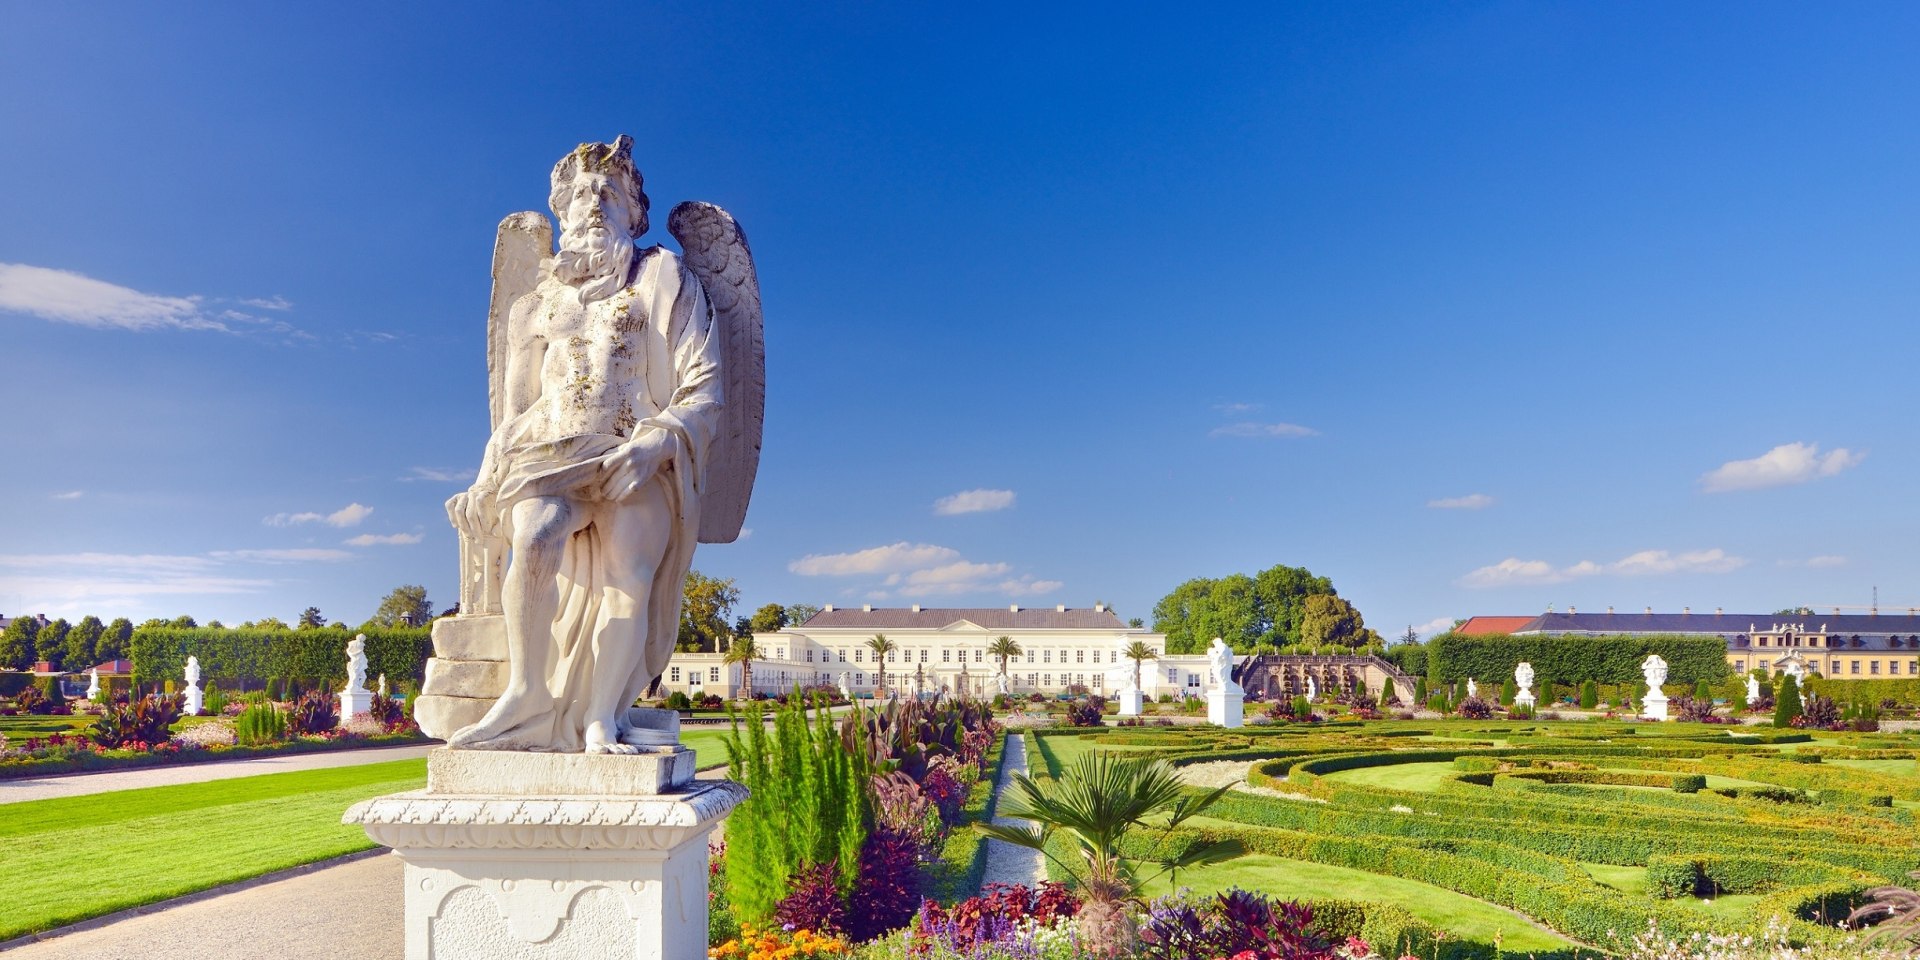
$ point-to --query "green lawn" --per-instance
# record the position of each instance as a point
(1424, 777)
(31, 726)
(1059, 752)
(1898, 768)
(1461, 916)
(709, 745)
(81, 857)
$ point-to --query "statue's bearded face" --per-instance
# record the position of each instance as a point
(596, 241)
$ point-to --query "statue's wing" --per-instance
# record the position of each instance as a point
(715, 249)
(523, 242)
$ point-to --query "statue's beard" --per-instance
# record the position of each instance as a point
(596, 263)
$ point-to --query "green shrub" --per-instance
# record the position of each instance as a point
(1459, 690)
(1438, 703)
(52, 697)
(1786, 702)
(1301, 708)
(247, 655)
(260, 723)
(1608, 658)
(1689, 783)
(1508, 691)
(1703, 690)
(315, 712)
(678, 701)
(215, 702)
(1420, 690)
(276, 689)
(1589, 695)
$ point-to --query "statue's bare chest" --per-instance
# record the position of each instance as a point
(594, 367)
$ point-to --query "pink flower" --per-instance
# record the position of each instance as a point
(1358, 947)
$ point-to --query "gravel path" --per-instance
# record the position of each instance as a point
(1007, 863)
(1223, 772)
(80, 784)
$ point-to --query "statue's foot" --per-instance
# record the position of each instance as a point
(496, 730)
(598, 741)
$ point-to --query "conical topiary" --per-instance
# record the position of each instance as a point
(1786, 703)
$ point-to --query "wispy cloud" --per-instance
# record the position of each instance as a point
(1236, 408)
(973, 501)
(1784, 465)
(63, 296)
(292, 555)
(275, 302)
(1823, 561)
(1514, 571)
(440, 475)
(1436, 625)
(347, 516)
(1263, 431)
(388, 539)
(76, 583)
(1472, 501)
(921, 569)
(70, 495)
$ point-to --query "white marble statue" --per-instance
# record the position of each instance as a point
(383, 684)
(1220, 660)
(846, 684)
(1000, 684)
(1655, 671)
(357, 663)
(195, 696)
(1313, 689)
(1797, 670)
(93, 685)
(1473, 687)
(627, 387)
(1753, 688)
(1523, 675)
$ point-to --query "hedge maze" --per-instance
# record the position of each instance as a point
(1717, 831)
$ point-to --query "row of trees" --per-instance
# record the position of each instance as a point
(1277, 607)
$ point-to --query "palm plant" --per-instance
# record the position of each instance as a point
(1004, 649)
(881, 646)
(1095, 804)
(743, 652)
(1138, 652)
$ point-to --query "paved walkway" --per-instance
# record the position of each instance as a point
(1007, 863)
(80, 784)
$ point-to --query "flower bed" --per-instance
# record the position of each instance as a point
(74, 753)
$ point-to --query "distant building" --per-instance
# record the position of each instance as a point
(1477, 626)
(1840, 646)
(945, 649)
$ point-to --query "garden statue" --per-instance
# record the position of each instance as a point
(1523, 678)
(1753, 688)
(383, 684)
(1000, 683)
(1797, 670)
(1654, 669)
(627, 386)
(846, 684)
(356, 698)
(93, 685)
(1226, 702)
(196, 697)
(1313, 691)
(1473, 688)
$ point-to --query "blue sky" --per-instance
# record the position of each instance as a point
(1474, 308)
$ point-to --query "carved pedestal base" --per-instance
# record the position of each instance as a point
(353, 702)
(563, 856)
(1523, 699)
(1132, 702)
(1226, 708)
(1655, 707)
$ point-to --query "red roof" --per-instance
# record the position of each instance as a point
(116, 668)
(1484, 625)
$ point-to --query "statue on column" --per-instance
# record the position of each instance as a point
(627, 390)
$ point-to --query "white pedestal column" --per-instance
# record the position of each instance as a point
(540, 856)
(1655, 707)
(1226, 708)
(1132, 702)
(196, 700)
(353, 702)
(1523, 699)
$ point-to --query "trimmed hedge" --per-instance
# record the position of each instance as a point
(252, 657)
(1610, 658)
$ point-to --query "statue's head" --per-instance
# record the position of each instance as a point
(598, 182)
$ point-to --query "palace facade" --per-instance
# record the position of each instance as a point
(1840, 646)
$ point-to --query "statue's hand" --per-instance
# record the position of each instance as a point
(626, 469)
(471, 512)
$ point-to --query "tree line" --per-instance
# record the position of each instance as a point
(1278, 607)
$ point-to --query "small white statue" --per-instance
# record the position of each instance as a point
(1220, 658)
(93, 685)
(1313, 689)
(383, 684)
(357, 663)
(1473, 687)
(1000, 683)
(1753, 688)
(846, 684)
(1655, 671)
(196, 697)
(1523, 675)
(1798, 671)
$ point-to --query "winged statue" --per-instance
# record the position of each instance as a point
(627, 391)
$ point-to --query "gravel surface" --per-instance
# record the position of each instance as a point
(80, 784)
(1007, 863)
(1234, 772)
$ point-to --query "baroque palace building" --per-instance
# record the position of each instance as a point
(1840, 646)
(945, 649)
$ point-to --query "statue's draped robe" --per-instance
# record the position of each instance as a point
(679, 358)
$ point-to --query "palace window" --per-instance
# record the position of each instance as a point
(1099, 681)
(1873, 666)
(843, 656)
(1835, 669)
(673, 676)
(1173, 674)
(1033, 679)
(1855, 664)
(1046, 656)
(860, 656)
(893, 655)
(713, 674)
(979, 655)
(1079, 656)
(1763, 641)
(1046, 679)
(809, 656)
(923, 655)
(1193, 680)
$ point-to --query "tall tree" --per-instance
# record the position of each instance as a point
(1201, 609)
(113, 642)
(1330, 619)
(1004, 649)
(705, 604)
(406, 606)
(83, 643)
(266, 623)
(50, 644)
(183, 622)
(1411, 637)
(881, 646)
(312, 619)
(770, 618)
(1282, 593)
(799, 613)
(16, 642)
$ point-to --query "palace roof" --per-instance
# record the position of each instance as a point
(991, 618)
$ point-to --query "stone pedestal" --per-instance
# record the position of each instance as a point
(545, 856)
(465, 675)
(1523, 699)
(196, 699)
(354, 702)
(1226, 708)
(1655, 706)
(1132, 702)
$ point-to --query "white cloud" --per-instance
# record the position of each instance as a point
(293, 555)
(888, 559)
(958, 576)
(1436, 625)
(58, 584)
(66, 297)
(1784, 465)
(389, 539)
(1264, 431)
(1822, 561)
(70, 495)
(347, 516)
(1472, 501)
(973, 501)
(1516, 572)
(1236, 407)
(440, 475)
(275, 302)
